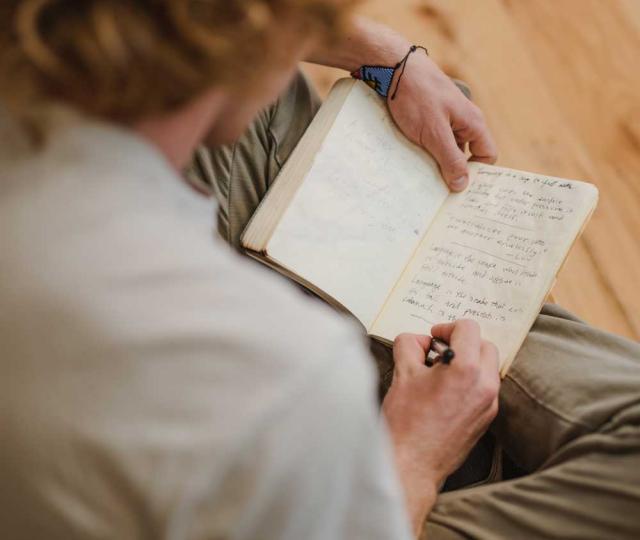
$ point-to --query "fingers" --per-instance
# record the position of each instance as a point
(464, 338)
(443, 331)
(441, 143)
(482, 146)
(447, 144)
(471, 127)
(489, 356)
(490, 376)
(410, 350)
(476, 358)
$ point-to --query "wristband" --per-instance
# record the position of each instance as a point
(380, 78)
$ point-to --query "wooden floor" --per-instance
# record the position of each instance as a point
(559, 82)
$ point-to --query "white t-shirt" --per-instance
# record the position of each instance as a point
(156, 385)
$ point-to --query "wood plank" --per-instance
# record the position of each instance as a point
(585, 50)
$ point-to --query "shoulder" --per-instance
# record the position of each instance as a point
(116, 265)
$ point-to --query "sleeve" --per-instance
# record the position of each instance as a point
(320, 469)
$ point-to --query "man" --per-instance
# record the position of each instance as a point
(155, 385)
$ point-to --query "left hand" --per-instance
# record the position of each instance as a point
(433, 112)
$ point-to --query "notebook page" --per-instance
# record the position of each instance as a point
(365, 204)
(491, 255)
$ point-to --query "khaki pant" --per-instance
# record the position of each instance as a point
(569, 406)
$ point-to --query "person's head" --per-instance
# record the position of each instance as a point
(137, 62)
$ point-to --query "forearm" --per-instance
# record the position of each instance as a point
(367, 42)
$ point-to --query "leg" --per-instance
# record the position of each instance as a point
(570, 417)
(239, 175)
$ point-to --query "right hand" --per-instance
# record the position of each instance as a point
(436, 415)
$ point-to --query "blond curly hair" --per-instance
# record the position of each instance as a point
(125, 59)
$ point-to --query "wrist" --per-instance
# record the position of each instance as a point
(420, 498)
(420, 485)
(386, 47)
(367, 43)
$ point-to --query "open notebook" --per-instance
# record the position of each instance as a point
(362, 217)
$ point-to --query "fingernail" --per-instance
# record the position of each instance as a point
(459, 183)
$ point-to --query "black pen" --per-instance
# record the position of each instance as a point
(442, 349)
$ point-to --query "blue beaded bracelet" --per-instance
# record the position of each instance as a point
(380, 78)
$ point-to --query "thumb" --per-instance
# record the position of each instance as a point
(451, 159)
